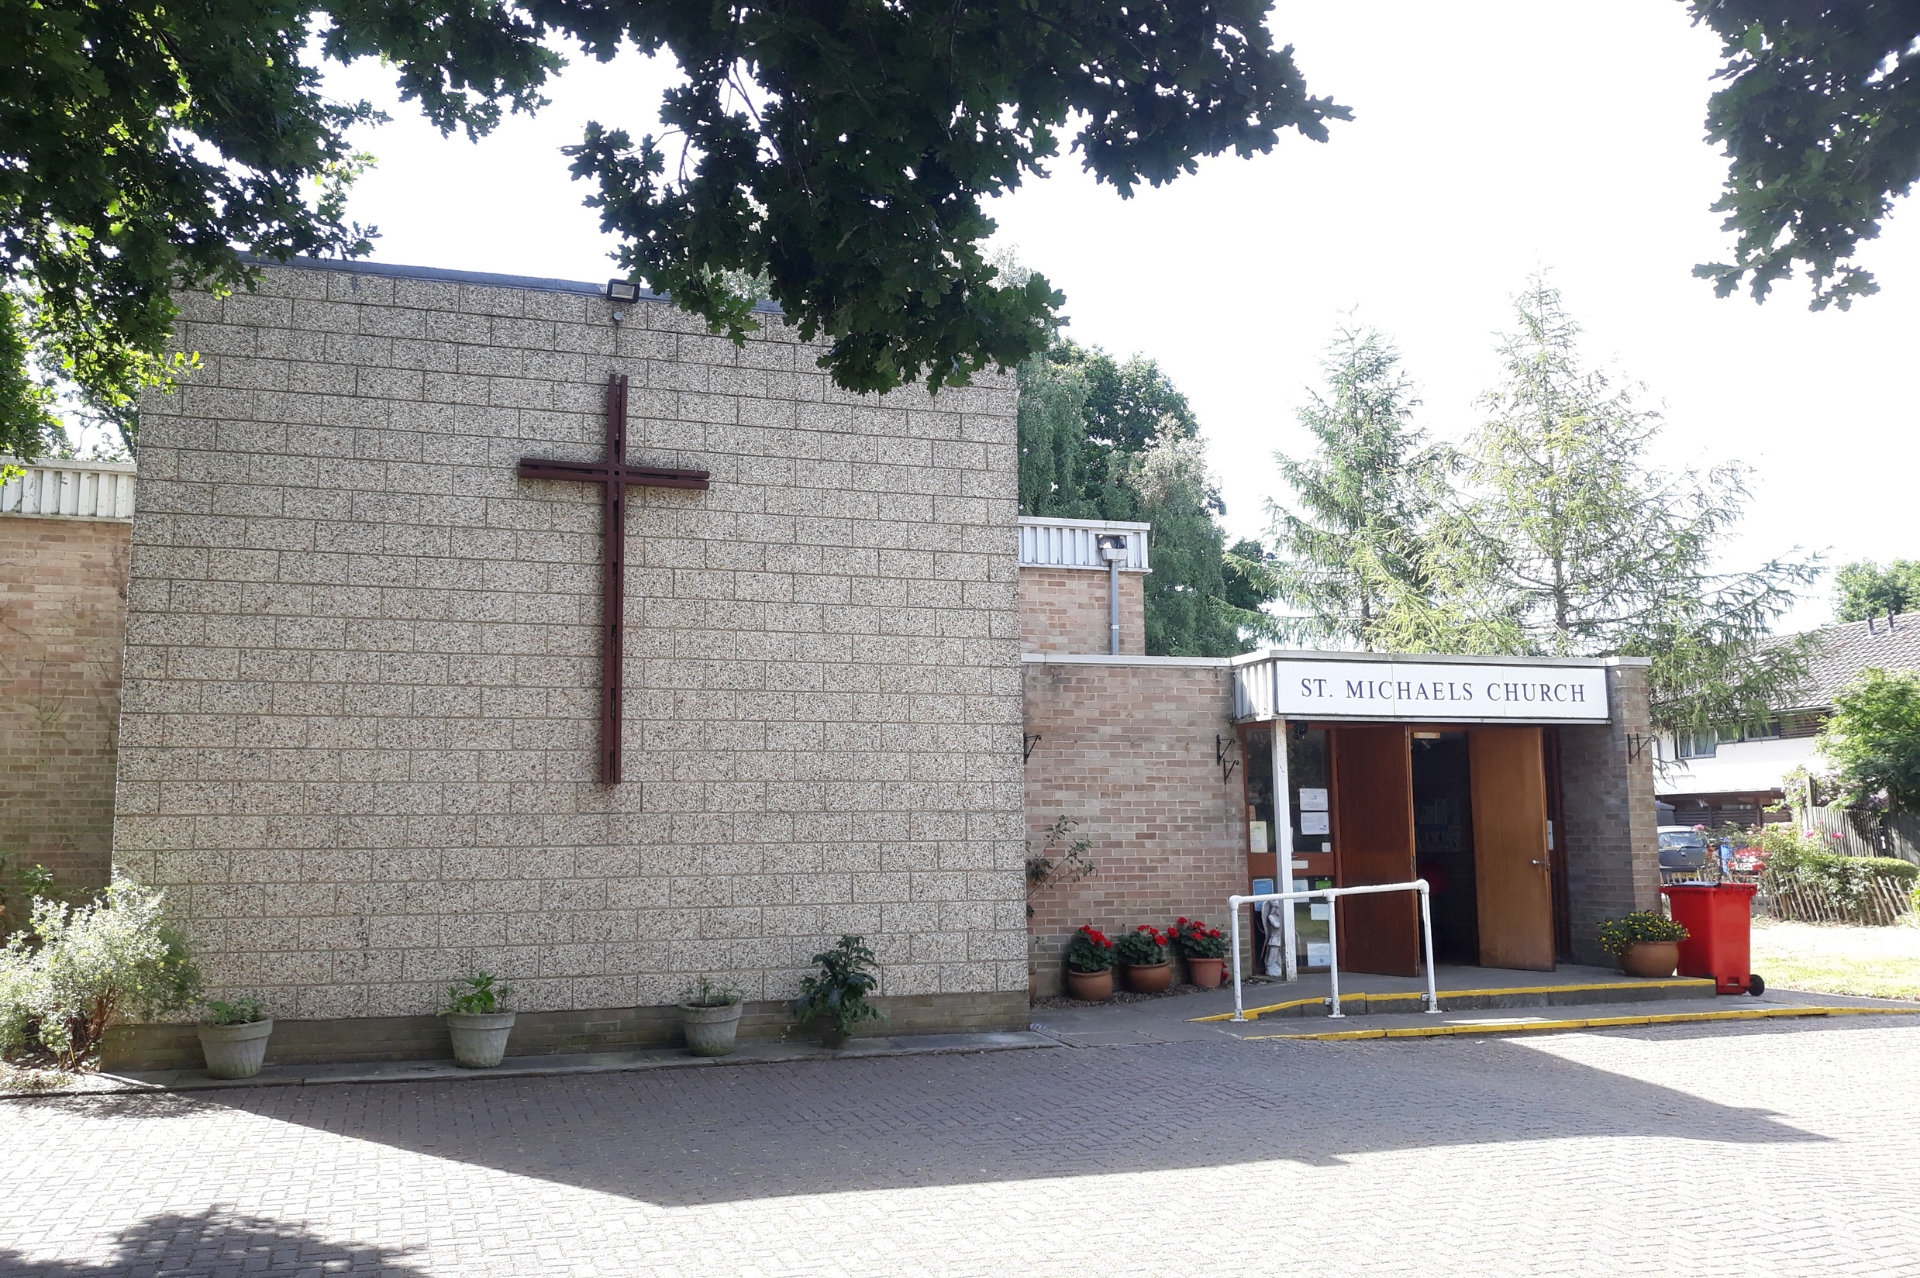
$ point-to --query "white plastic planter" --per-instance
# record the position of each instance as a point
(235, 1051)
(479, 1038)
(710, 1030)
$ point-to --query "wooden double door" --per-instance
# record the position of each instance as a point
(1373, 842)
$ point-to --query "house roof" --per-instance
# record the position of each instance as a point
(1843, 651)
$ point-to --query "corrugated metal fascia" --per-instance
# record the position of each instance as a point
(65, 489)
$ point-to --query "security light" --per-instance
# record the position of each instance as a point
(1113, 547)
(623, 291)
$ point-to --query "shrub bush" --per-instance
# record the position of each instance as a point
(1795, 860)
(76, 971)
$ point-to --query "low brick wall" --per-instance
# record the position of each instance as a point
(63, 614)
(406, 1038)
(1127, 752)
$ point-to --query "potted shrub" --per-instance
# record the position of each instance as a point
(1648, 943)
(1204, 948)
(478, 1021)
(710, 1017)
(1143, 952)
(233, 1036)
(1089, 965)
(835, 1001)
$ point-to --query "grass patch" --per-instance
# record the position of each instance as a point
(1867, 962)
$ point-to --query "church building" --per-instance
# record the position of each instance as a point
(486, 623)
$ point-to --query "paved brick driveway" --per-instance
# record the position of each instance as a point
(1678, 1150)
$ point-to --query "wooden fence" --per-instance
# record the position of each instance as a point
(1869, 834)
(1879, 902)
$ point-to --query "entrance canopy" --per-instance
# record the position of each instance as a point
(1419, 688)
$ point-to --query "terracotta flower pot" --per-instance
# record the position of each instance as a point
(1650, 958)
(1094, 987)
(1207, 973)
(1150, 978)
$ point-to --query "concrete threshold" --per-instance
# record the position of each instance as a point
(197, 1080)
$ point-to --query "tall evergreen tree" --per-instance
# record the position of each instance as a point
(1352, 546)
(1567, 542)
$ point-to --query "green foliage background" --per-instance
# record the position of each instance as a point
(1864, 589)
(1106, 439)
(1873, 740)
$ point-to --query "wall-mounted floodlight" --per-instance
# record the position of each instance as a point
(623, 291)
(1113, 547)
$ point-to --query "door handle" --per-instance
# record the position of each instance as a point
(1542, 863)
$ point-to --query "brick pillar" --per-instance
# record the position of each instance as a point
(1613, 857)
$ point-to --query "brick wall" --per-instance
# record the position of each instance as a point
(1613, 854)
(358, 745)
(63, 606)
(1127, 752)
(1065, 610)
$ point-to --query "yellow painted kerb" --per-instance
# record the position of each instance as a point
(1591, 1022)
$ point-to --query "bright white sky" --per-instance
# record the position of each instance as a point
(1489, 140)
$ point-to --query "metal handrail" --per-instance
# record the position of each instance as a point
(1333, 935)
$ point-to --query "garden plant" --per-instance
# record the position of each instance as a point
(75, 971)
(1638, 927)
(1089, 950)
(836, 999)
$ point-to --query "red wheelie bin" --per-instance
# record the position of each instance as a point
(1719, 922)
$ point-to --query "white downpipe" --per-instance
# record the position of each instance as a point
(1333, 969)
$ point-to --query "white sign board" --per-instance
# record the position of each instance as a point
(1406, 691)
(1313, 800)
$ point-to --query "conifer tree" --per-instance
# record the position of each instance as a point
(1568, 541)
(1352, 546)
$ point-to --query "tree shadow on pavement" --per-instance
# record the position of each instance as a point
(213, 1244)
(681, 1137)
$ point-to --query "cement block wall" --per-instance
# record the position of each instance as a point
(63, 606)
(1065, 610)
(1613, 848)
(1126, 751)
(358, 746)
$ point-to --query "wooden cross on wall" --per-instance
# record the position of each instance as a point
(614, 476)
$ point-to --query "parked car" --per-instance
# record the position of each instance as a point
(1683, 849)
